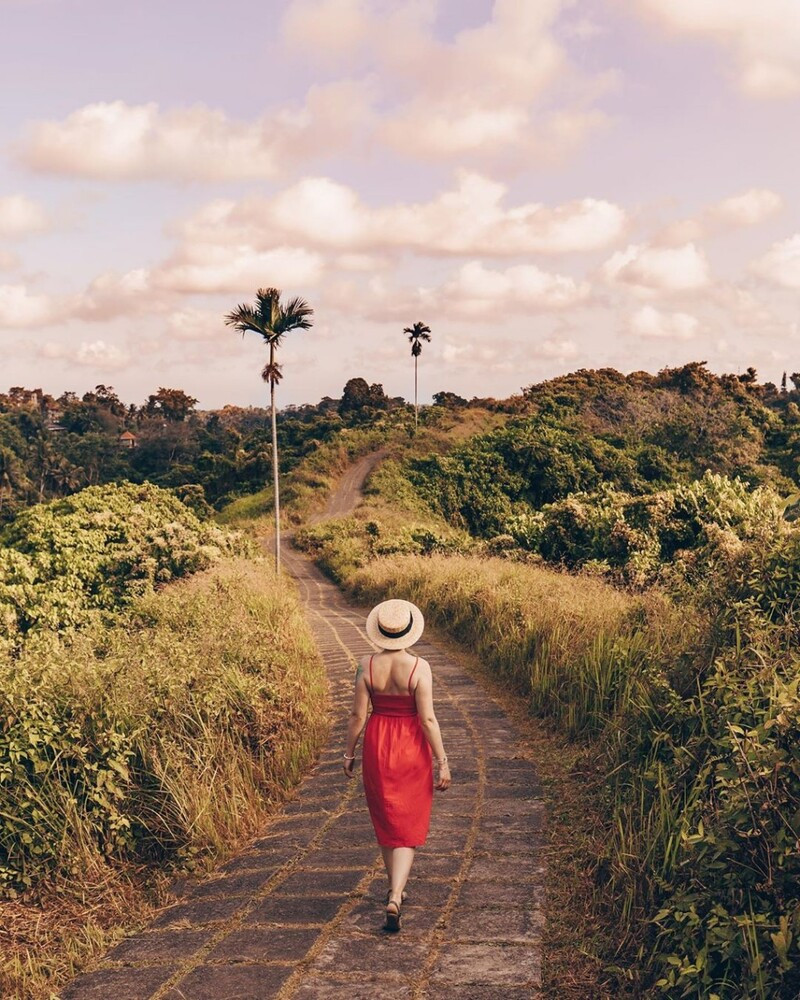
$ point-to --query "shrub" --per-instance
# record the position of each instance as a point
(96, 550)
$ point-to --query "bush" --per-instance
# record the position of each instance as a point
(156, 742)
(96, 550)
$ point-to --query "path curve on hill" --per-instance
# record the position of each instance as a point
(297, 914)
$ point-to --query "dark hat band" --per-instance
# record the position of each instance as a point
(397, 635)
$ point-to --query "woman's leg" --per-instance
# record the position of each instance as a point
(401, 862)
(387, 853)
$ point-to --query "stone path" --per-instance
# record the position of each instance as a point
(298, 913)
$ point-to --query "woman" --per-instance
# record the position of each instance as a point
(400, 735)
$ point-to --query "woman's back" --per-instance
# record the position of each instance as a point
(391, 671)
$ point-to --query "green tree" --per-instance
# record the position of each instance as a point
(272, 320)
(173, 404)
(416, 334)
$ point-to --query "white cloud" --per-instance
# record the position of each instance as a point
(111, 294)
(95, 354)
(197, 325)
(119, 141)
(19, 308)
(763, 36)
(472, 293)
(652, 269)
(20, 215)
(750, 208)
(469, 219)
(206, 267)
(478, 292)
(650, 322)
(555, 349)
(781, 263)
(488, 92)
(8, 261)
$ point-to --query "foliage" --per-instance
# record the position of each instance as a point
(96, 550)
(677, 532)
(699, 747)
(156, 741)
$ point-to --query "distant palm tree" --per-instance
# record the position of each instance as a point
(417, 333)
(272, 320)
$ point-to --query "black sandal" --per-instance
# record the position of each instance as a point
(392, 919)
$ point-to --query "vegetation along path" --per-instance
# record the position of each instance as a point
(298, 913)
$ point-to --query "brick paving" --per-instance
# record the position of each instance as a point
(298, 913)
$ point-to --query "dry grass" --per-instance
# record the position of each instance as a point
(212, 691)
(575, 646)
(576, 936)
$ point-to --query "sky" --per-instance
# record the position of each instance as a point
(548, 184)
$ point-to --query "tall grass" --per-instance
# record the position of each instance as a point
(697, 745)
(152, 744)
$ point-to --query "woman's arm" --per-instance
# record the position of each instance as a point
(358, 716)
(430, 724)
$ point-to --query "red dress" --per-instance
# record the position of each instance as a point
(397, 767)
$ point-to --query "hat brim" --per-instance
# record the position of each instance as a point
(377, 638)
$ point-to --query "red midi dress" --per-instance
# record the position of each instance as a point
(397, 768)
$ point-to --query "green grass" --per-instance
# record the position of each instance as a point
(694, 743)
(134, 750)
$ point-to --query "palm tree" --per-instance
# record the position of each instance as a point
(417, 333)
(272, 320)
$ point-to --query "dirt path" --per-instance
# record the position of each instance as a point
(298, 913)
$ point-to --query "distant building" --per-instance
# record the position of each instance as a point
(126, 440)
(52, 417)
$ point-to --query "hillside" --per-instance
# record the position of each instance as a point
(621, 554)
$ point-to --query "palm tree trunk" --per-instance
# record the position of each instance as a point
(275, 465)
(416, 406)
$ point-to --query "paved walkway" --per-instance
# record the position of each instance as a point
(298, 913)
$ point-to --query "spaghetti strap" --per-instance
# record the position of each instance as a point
(411, 675)
(371, 688)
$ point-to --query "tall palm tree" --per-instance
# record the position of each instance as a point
(272, 320)
(417, 333)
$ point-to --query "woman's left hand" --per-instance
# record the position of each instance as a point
(348, 766)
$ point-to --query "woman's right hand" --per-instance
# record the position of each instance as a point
(444, 777)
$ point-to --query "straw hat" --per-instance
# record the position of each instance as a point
(395, 624)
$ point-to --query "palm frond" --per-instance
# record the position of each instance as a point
(244, 318)
(294, 315)
(269, 317)
(272, 372)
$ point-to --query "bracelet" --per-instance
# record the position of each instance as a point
(348, 758)
(442, 761)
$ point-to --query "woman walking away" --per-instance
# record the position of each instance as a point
(400, 735)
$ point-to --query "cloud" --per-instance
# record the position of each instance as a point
(472, 293)
(18, 308)
(780, 265)
(554, 349)
(478, 292)
(197, 325)
(20, 216)
(651, 269)
(750, 208)
(89, 354)
(762, 37)
(206, 268)
(119, 141)
(652, 323)
(8, 261)
(503, 355)
(468, 219)
(504, 87)
(111, 295)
